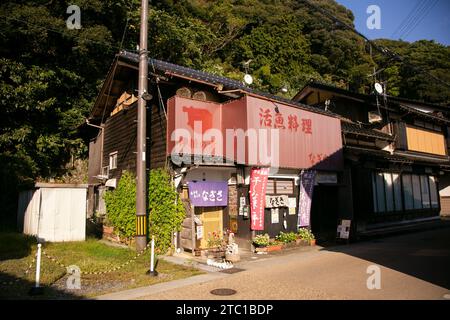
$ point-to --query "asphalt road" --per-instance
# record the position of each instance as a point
(412, 266)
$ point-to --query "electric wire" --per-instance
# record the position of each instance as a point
(381, 49)
(419, 20)
(410, 18)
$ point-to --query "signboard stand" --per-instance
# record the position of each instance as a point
(343, 231)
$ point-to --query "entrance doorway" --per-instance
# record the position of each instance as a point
(212, 221)
(324, 213)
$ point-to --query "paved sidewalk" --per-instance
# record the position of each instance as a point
(413, 266)
(248, 261)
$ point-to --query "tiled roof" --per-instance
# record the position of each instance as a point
(371, 98)
(377, 153)
(405, 157)
(430, 116)
(228, 84)
(354, 128)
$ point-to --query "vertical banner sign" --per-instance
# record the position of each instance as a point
(258, 186)
(307, 180)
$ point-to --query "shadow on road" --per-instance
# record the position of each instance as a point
(13, 288)
(421, 254)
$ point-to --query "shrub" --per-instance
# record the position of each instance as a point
(166, 210)
(121, 206)
(286, 237)
(305, 234)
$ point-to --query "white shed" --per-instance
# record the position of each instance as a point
(54, 212)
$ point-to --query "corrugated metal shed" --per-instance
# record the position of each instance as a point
(54, 212)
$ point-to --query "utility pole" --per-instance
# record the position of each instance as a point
(141, 185)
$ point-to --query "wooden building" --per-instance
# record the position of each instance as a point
(396, 157)
(308, 138)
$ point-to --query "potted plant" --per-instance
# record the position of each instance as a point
(305, 236)
(263, 243)
(287, 239)
(215, 246)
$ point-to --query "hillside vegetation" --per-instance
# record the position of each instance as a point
(50, 75)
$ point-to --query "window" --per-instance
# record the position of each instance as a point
(386, 191)
(397, 191)
(408, 192)
(418, 192)
(428, 125)
(389, 190)
(113, 160)
(374, 192)
(425, 191)
(270, 186)
(433, 192)
(380, 192)
(276, 186)
(285, 186)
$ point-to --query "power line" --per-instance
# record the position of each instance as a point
(407, 21)
(382, 50)
(419, 21)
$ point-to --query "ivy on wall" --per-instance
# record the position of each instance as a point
(121, 206)
(166, 211)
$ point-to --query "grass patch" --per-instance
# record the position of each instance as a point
(17, 252)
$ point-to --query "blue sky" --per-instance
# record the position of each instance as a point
(434, 26)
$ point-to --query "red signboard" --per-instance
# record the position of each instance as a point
(258, 186)
(255, 132)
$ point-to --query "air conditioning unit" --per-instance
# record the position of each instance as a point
(375, 117)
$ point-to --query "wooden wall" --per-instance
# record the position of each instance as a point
(156, 124)
(120, 136)
(425, 141)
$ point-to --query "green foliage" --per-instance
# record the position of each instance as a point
(50, 75)
(286, 237)
(261, 240)
(406, 81)
(121, 206)
(48, 81)
(166, 210)
(305, 234)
